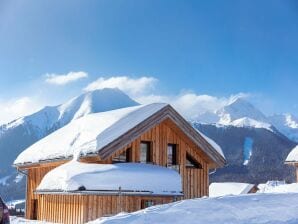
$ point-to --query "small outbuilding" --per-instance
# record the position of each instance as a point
(116, 161)
(292, 159)
(231, 188)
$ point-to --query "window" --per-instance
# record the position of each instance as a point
(191, 162)
(147, 203)
(124, 157)
(145, 152)
(172, 154)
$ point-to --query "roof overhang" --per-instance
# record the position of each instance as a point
(215, 158)
(167, 112)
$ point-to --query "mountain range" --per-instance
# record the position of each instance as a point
(255, 145)
(241, 113)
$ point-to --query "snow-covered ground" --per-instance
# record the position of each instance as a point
(244, 209)
(17, 220)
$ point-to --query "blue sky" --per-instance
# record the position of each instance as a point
(218, 48)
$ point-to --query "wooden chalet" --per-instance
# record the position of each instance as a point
(292, 159)
(153, 135)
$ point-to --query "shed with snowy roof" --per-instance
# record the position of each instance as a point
(120, 160)
(292, 159)
(231, 188)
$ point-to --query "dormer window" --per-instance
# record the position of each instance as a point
(145, 152)
(192, 163)
(124, 157)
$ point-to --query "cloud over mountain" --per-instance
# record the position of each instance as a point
(132, 86)
(63, 79)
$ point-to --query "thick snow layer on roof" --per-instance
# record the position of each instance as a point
(212, 143)
(278, 188)
(244, 209)
(229, 188)
(19, 220)
(129, 176)
(293, 155)
(88, 134)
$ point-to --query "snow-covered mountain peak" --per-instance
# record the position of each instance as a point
(249, 122)
(92, 102)
(51, 118)
(239, 108)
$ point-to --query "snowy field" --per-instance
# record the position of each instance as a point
(16, 220)
(244, 209)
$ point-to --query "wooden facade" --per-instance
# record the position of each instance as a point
(80, 207)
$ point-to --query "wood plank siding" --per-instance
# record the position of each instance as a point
(81, 208)
(76, 209)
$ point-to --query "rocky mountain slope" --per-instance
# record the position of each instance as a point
(253, 155)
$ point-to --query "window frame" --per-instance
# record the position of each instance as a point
(146, 203)
(193, 161)
(174, 148)
(148, 151)
(127, 156)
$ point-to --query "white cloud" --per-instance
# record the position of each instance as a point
(142, 89)
(15, 108)
(63, 79)
(190, 104)
(131, 86)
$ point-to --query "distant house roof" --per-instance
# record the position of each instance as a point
(102, 133)
(131, 177)
(293, 156)
(229, 188)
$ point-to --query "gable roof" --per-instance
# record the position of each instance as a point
(104, 133)
(293, 156)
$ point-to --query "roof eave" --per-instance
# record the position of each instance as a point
(167, 112)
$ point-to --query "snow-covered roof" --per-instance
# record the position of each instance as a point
(278, 187)
(93, 132)
(212, 143)
(293, 155)
(229, 188)
(88, 134)
(136, 177)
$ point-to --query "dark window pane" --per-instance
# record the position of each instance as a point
(172, 154)
(145, 152)
(147, 203)
(191, 162)
(123, 157)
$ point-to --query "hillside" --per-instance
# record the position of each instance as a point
(23, 132)
(253, 155)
